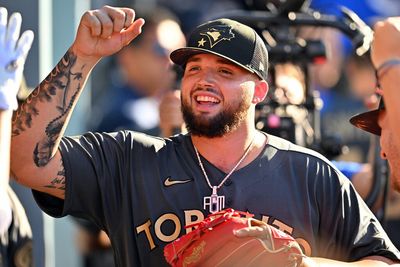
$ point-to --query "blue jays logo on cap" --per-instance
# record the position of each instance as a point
(216, 34)
(230, 40)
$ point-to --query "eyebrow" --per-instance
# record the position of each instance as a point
(193, 59)
(220, 60)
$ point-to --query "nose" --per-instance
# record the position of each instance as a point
(206, 79)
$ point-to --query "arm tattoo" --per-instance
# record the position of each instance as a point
(57, 87)
(59, 181)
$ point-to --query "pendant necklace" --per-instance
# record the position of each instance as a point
(215, 202)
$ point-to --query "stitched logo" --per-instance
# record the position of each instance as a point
(170, 182)
(217, 34)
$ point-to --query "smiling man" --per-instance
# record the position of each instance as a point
(144, 190)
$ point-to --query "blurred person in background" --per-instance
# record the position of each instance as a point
(171, 119)
(15, 231)
(142, 74)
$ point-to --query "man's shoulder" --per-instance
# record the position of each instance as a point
(123, 138)
(284, 145)
(303, 157)
(148, 140)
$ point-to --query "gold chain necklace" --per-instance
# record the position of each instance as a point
(214, 201)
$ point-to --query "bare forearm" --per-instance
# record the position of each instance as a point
(5, 135)
(42, 119)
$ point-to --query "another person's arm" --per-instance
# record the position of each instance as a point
(42, 119)
(5, 134)
(13, 51)
(386, 50)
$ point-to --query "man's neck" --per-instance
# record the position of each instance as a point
(224, 152)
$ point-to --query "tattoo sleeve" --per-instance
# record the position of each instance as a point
(61, 87)
(58, 182)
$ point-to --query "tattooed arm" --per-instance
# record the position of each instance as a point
(42, 119)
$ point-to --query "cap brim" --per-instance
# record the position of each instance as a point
(181, 56)
(367, 121)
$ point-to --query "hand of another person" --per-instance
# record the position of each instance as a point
(386, 41)
(104, 31)
(13, 51)
(170, 113)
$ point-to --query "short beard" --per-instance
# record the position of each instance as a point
(225, 122)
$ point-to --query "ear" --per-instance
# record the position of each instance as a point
(260, 91)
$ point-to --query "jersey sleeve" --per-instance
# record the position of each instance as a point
(97, 167)
(348, 228)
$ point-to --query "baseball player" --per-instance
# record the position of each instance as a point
(385, 56)
(144, 190)
(383, 121)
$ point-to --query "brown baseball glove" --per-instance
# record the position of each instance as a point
(213, 243)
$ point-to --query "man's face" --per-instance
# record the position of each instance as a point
(389, 150)
(216, 95)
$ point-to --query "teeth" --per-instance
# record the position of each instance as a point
(203, 98)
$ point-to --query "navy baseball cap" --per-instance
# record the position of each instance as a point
(228, 39)
(368, 121)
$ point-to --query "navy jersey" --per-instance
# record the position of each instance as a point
(144, 190)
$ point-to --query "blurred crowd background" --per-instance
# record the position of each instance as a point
(127, 91)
